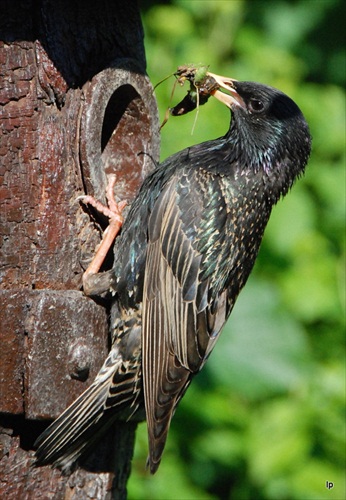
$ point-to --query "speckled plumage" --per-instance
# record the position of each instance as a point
(186, 249)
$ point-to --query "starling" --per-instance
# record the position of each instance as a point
(185, 251)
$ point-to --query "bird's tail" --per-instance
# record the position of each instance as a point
(75, 431)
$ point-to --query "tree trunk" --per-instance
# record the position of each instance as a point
(75, 105)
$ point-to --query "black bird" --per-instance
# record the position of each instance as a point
(185, 251)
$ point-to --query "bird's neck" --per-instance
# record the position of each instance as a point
(262, 165)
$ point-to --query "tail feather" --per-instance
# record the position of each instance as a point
(74, 432)
(69, 432)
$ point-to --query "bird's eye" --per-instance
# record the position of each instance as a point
(256, 106)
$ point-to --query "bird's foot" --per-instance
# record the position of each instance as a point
(94, 283)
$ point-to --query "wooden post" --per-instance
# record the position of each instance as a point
(75, 105)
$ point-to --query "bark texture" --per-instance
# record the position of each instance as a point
(75, 105)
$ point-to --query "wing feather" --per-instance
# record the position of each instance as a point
(178, 330)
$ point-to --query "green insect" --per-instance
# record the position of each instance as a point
(202, 84)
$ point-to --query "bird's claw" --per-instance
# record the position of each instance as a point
(114, 213)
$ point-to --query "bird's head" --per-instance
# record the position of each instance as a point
(268, 129)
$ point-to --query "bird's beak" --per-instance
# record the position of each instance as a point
(227, 84)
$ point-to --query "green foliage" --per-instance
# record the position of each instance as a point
(265, 417)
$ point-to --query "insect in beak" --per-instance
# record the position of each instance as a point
(203, 84)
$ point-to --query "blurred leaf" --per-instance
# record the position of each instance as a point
(310, 287)
(169, 22)
(289, 449)
(291, 220)
(309, 481)
(262, 351)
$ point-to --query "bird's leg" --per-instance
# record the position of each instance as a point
(94, 282)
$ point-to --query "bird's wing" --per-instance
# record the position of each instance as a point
(184, 303)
